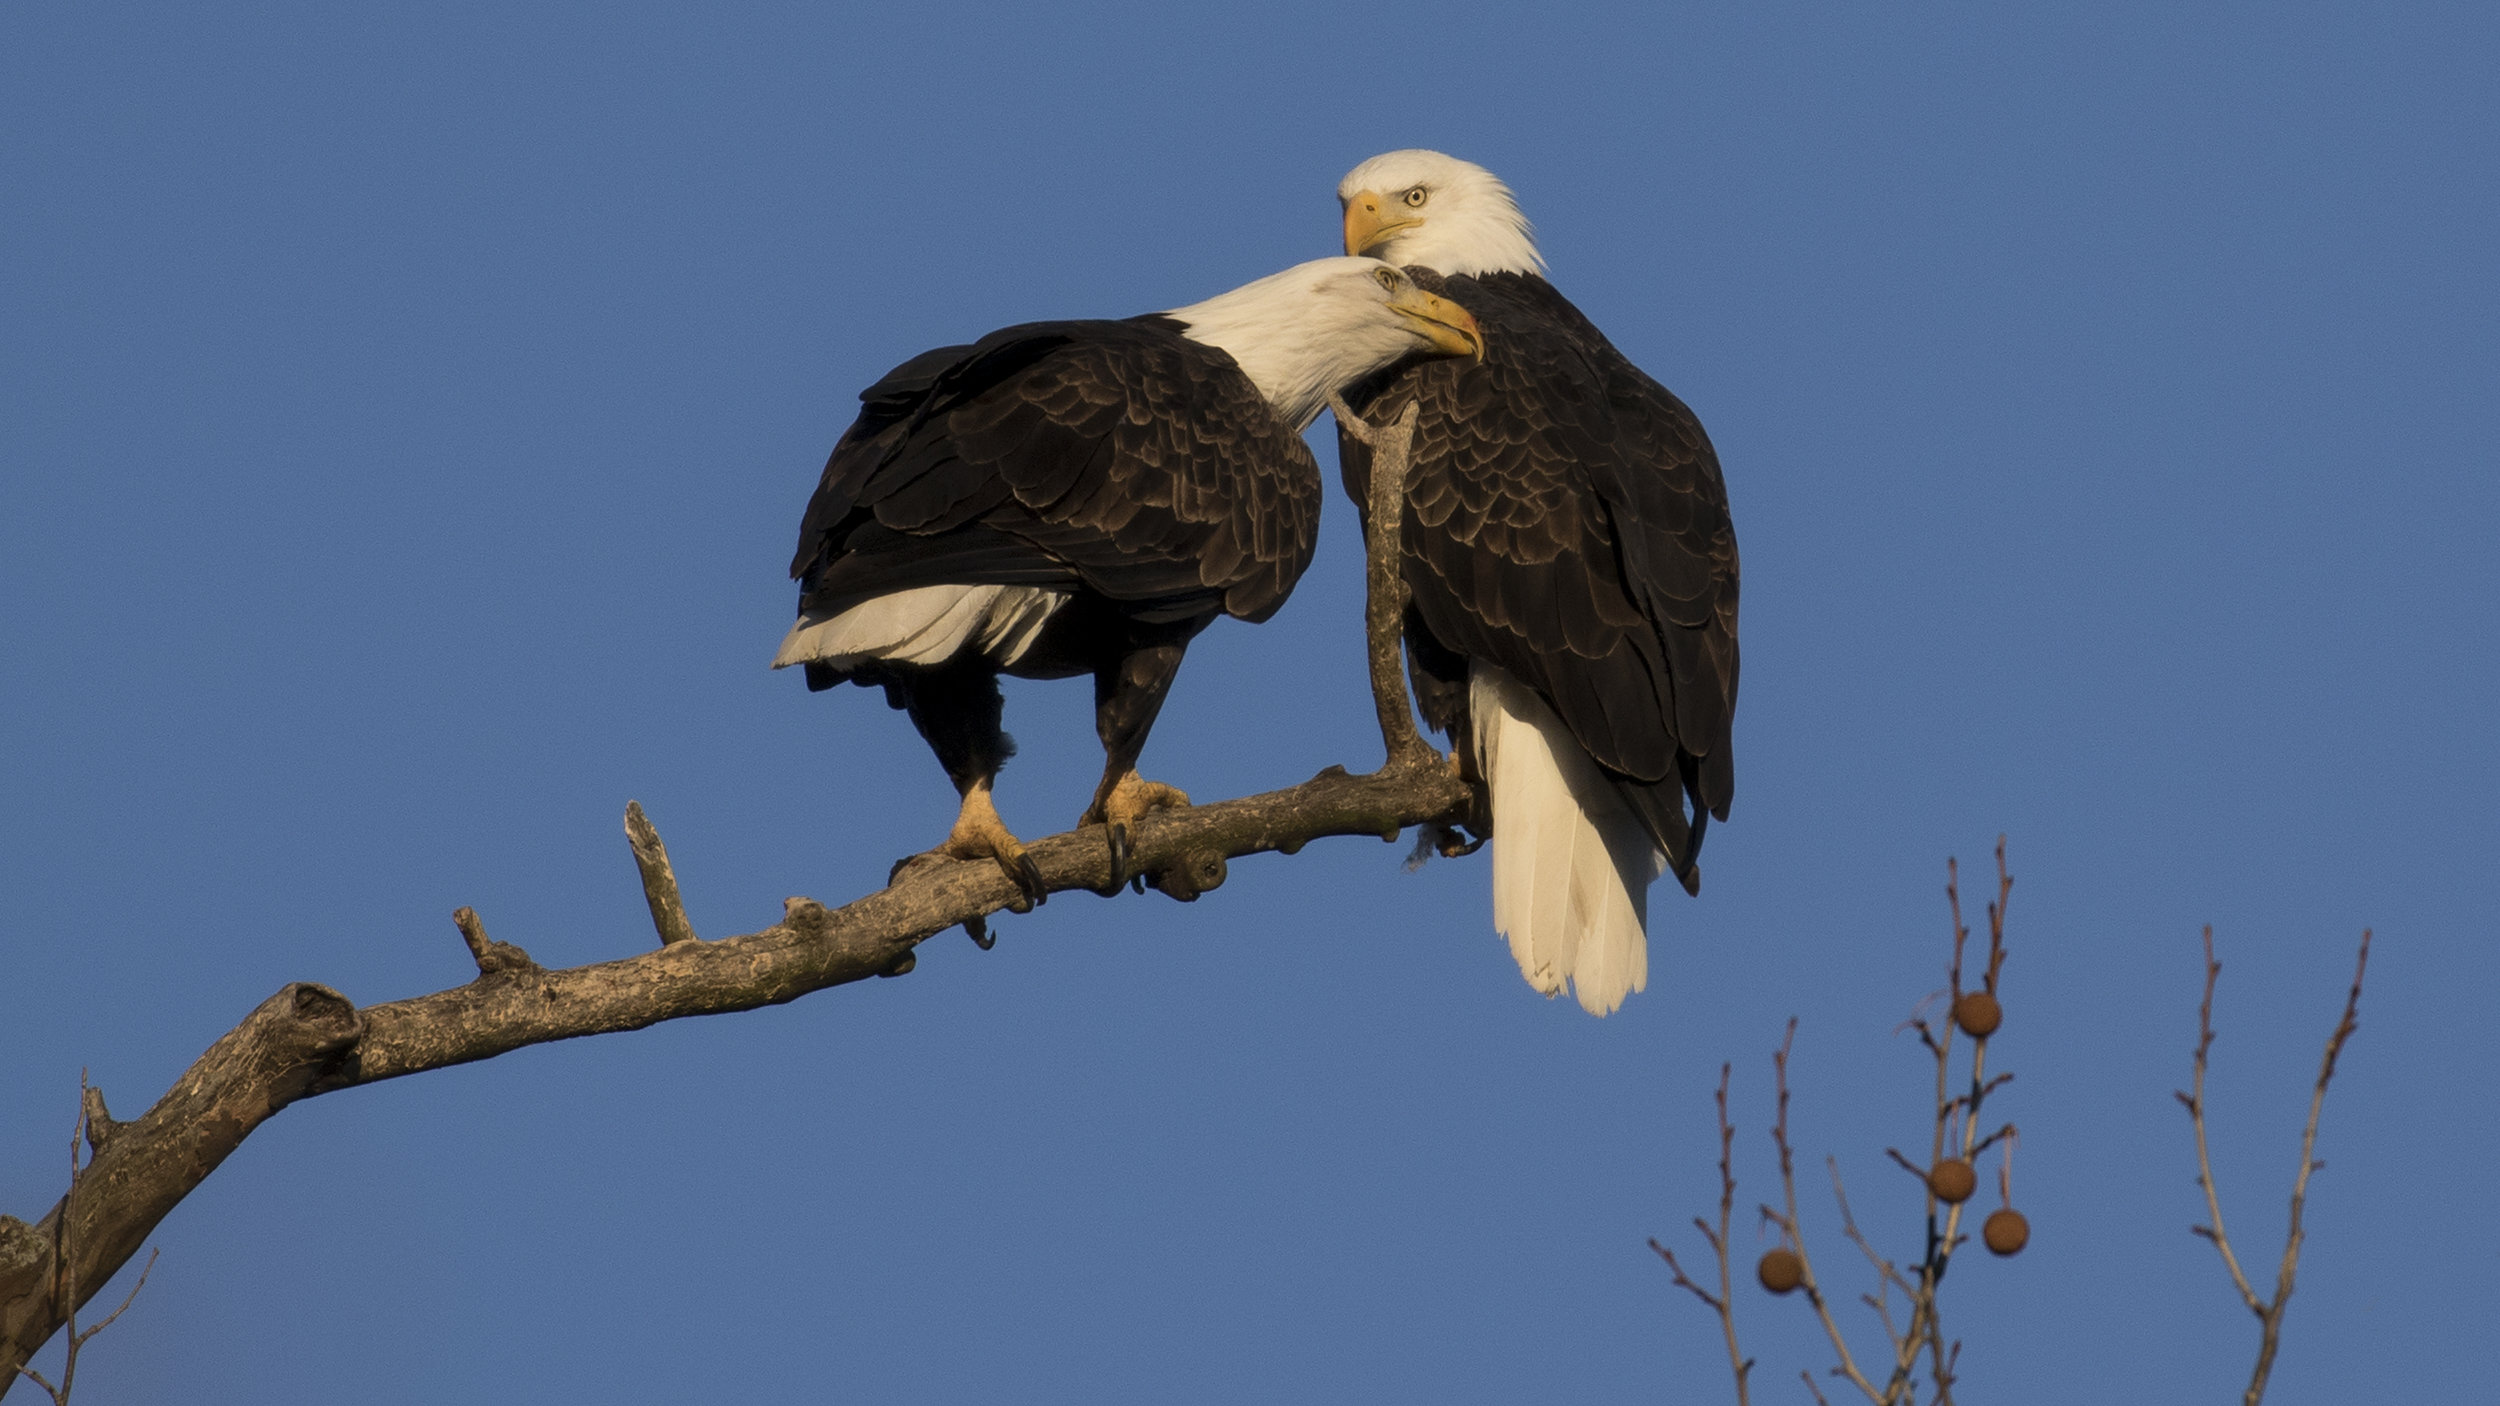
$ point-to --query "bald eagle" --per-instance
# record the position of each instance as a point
(1065, 498)
(1573, 574)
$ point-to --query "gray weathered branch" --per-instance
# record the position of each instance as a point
(309, 1040)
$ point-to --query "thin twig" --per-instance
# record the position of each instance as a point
(1724, 1302)
(65, 1272)
(2308, 1163)
(1996, 919)
(127, 1299)
(1961, 931)
(1794, 1236)
(1885, 1270)
(2195, 1103)
(2269, 1313)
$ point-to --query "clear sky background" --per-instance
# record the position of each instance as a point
(405, 415)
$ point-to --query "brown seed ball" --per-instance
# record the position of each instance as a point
(1780, 1271)
(2006, 1232)
(1952, 1180)
(1978, 1013)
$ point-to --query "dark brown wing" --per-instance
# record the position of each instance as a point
(1118, 458)
(1566, 520)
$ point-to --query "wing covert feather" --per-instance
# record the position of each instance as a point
(1120, 457)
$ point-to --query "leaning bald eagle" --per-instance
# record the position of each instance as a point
(1065, 498)
(1573, 570)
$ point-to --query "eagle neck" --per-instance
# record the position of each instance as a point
(1500, 241)
(1294, 348)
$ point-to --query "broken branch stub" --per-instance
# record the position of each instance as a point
(659, 881)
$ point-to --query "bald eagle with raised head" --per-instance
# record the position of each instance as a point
(1065, 498)
(1573, 574)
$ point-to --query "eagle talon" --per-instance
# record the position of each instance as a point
(980, 834)
(1120, 857)
(1131, 799)
(1028, 877)
(978, 930)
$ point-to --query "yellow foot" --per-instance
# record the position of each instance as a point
(1130, 801)
(980, 834)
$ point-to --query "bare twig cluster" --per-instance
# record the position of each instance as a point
(95, 1127)
(1905, 1299)
(2269, 1312)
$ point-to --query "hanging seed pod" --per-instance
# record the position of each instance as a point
(1952, 1180)
(1978, 1013)
(1780, 1271)
(2006, 1232)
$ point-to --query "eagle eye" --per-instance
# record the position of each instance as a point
(1386, 278)
(1415, 197)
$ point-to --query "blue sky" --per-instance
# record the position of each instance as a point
(405, 414)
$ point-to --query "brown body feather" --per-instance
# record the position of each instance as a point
(1567, 522)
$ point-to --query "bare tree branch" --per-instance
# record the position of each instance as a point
(2195, 1103)
(2269, 1312)
(308, 1040)
(1384, 524)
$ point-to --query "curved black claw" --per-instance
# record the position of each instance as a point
(1121, 856)
(978, 929)
(1027, 877)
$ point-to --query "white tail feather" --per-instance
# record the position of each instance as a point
(1571, 864)
(925, 625)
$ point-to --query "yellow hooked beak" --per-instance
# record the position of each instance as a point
(1366, 226)
(1450, 329)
